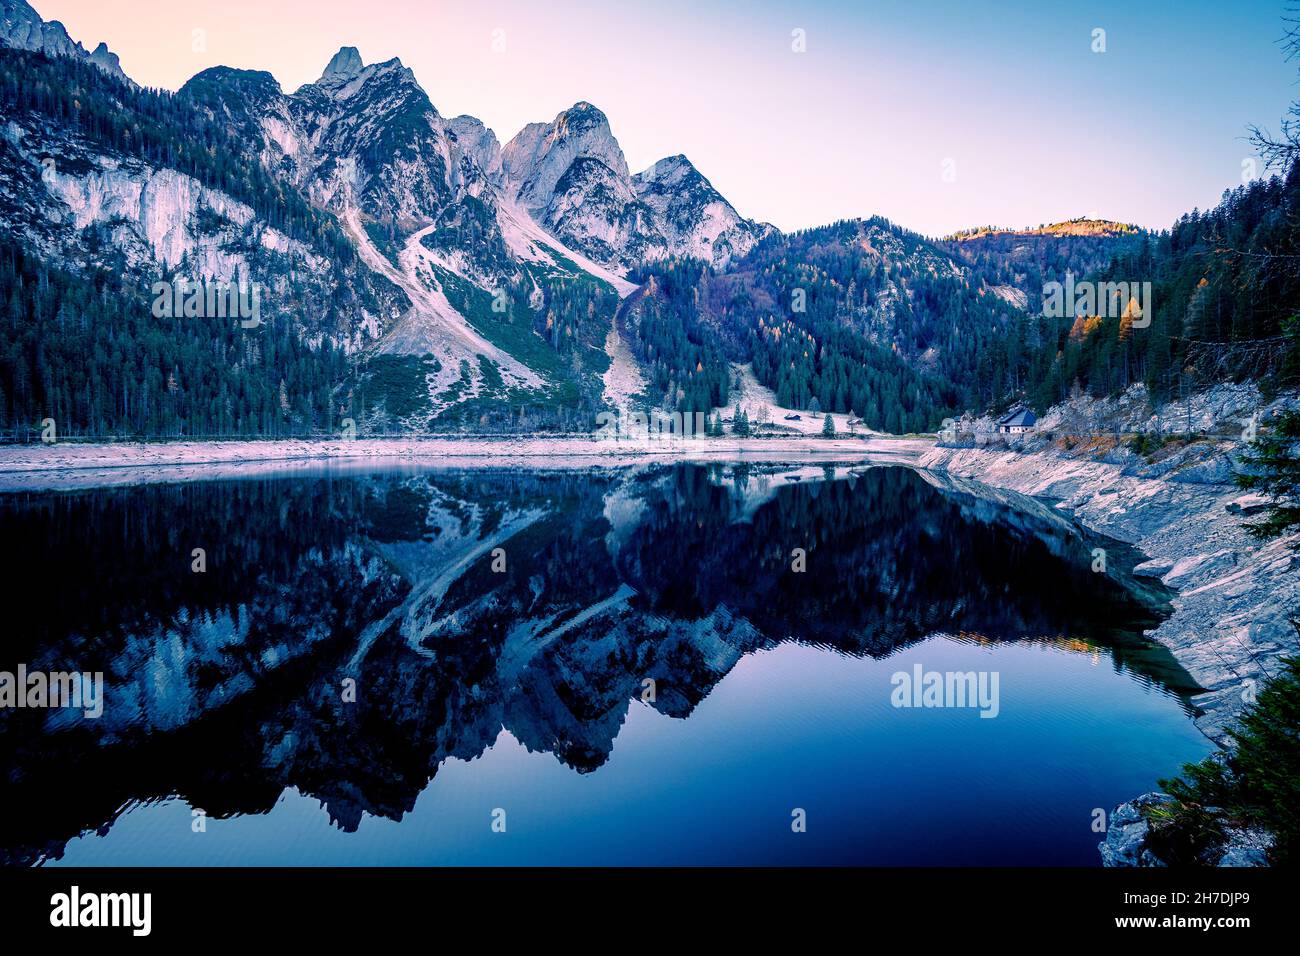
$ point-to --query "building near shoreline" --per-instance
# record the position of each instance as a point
(1017, 422)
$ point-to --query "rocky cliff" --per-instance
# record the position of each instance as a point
(1237, 595)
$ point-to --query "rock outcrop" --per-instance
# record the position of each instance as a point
(23, 28)
(1231, 617)
(572, 177)
(1129, 838)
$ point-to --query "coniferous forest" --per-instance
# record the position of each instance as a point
(87, 352)
(1224, 282)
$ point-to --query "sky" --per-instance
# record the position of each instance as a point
(938, 114)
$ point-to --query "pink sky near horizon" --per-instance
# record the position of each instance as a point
(1036, 125)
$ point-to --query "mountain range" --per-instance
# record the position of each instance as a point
(416, 274)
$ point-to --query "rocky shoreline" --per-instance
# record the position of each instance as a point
(1129, 838)
(1231, 616)
(67, 465)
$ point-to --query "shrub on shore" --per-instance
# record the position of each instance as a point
(1256, 785)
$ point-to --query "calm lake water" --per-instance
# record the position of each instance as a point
(393, 666)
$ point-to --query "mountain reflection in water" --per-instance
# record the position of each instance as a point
(226, 688)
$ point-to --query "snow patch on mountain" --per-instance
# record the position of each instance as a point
(761, 407)
(623, 381)
(531, 243)
(433, 326)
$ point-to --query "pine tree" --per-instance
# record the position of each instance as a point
(828, 426)
(1274, 460)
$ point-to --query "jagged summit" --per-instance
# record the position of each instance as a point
(347, 73)
(366, 132)
(583, 112)
(345, 64)
(541, 153)
(669, 168)
(23, 28)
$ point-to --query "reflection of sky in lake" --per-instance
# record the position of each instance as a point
(520, 690)
(790, 727)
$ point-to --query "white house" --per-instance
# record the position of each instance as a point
(1017, 422)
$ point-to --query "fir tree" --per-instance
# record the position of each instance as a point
(1274, 460)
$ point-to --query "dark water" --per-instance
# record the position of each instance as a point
(520, 695)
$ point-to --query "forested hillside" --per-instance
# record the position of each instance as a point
(684, 352)
(86, 351)
(1024, 260)
(865, 317)
(1223, 282)
(83, 346)
(860, 316)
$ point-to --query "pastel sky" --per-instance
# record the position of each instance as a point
(1008, 96)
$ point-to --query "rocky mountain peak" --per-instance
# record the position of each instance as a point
(695, 219)
(344, 65)
(105, 59)
(346, 75)
(23, 28)
(670, 170)
(474, 139)
(581, 116)
(542, 153)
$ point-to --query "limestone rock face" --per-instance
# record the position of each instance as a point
(571, 175)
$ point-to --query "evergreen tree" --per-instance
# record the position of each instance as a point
(1274, 460)
(1257, 782)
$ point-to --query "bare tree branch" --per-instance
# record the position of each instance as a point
(1281, 151)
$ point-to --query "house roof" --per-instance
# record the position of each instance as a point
(1019, 417)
